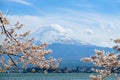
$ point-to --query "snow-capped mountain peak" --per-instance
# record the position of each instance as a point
(54, 34)
(58, 28)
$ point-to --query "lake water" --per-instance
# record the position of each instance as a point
(49, 76)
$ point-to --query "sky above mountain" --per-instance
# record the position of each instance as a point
(92, 21)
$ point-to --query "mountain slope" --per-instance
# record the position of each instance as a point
(72, 53)
(65, 46)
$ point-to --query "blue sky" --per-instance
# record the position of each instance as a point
(92, 21)
(37, 7)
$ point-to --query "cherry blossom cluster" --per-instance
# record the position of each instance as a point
(106, 62)
(20, 49)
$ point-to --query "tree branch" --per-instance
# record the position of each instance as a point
(12, 60)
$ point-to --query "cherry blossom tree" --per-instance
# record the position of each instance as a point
(106, 63)
(20, 49)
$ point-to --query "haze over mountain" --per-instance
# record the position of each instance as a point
(65, 46)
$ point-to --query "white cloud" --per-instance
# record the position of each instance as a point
(84, 5)
(22, 2)
(89, 32)
(100, 28)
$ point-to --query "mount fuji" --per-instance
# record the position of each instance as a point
(55, 34)
(64, 45)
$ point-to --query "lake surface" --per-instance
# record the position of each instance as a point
(49, 76)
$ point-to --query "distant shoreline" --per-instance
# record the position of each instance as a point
(79, 69)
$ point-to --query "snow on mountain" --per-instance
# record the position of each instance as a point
(55, 34)
(65, 45)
